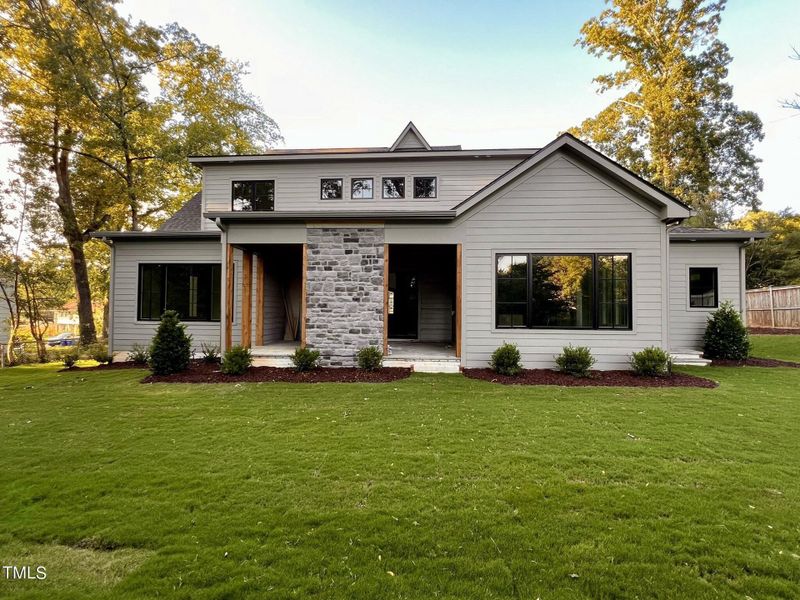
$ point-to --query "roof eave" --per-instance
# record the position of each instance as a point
(311, 216)
(154, 235)
(718, 236)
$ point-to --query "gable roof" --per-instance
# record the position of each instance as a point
(566, 142)
(410, 139)
(188, 217)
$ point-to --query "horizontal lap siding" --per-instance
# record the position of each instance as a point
(297, 184)
(127, 331)
(561, 208)
(687, 325)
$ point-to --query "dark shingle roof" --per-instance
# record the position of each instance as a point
(712, 233)
(188, 217)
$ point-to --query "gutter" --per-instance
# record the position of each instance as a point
(223, 218)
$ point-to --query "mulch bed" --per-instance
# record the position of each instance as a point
(771, 331)
(112, 367)
(755, 362)
(200, 372)
(596, 378)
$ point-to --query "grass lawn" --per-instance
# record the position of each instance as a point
(433, 487)
(783, 347)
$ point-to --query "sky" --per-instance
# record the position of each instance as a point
(481, 74)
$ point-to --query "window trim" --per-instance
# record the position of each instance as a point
(372, 179)
(341, 185)
(595, 300)
(405, 186)
(435, 185)
(274, 193)
(689, 288)
(140, 319)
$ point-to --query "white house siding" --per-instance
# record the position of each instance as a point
(562, 207)
(126, 330)
(297, 185)
(686, 325)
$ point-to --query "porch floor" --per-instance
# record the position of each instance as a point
(415, 349)
(278, 348)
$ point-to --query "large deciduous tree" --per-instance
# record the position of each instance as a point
(776, 259)
(674, 121)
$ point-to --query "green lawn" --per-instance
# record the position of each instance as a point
(783, 347)
(433, 487)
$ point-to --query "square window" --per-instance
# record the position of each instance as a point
(253, 195)
(424, 187)
(703, 289)
(361, 188)
(331, 189)
(394, 187)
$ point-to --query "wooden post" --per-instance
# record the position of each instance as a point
(458, 300)
(228, 296)
(247, 298)
(385, 299)
(303, 298)
(771, 307)
(259, 336)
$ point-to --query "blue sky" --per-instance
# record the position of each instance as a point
(480, 74)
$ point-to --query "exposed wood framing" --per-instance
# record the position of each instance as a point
(259, 334)
(247, 298)
(228, 296)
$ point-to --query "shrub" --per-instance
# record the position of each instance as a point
(236, 361)
(171, 347)
(70, 358)
(210, 353)
(506, 360)
(575, 360)
(100, 354)
(370, 358)
(305, 359)
(139, 355)
(726, 336)
(651, 362)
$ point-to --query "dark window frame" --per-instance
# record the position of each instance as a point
(435, 187)
(252, 182)
(164, 293)
(372, 189)
(341, 188)
(716, 287)
(383, 187)
(595, 326)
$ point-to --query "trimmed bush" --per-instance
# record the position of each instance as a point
(305, 359)
(70, 358)
(506, 360)
(171, 347)
(370, 358)
(575, 360)
(210, 353)
(651, 362)
(726, 336)
(139, 355)
(236, 361)
(100, 354)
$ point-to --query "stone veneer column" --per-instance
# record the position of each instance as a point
(344, 292)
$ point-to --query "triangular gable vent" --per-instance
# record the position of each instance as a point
(410, 139)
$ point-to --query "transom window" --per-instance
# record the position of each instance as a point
(361, 188)
(331, 188)
(253, 195)
(193, 290)
(563, 291)
(394, 187)
(424, 187)
(703, 287)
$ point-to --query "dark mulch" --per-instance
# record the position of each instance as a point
(754, 362)
(596, 378)
(112, 367)
(200, 372)
(775, 331)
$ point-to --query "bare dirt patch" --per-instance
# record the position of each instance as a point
(755, 362)
(106, 367)
(595, 378)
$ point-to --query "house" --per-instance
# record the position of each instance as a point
(436, 254)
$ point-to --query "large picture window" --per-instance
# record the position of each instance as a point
(703, 287)
(563, 291)
(253, 195)
(193, 290)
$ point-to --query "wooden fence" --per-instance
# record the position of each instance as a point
(774, 307)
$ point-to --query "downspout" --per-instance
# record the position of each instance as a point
(223, 278)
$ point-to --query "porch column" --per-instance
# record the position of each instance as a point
(228, 295)
(259, 335)
(385, 299)
(304, 297)
(247, 297)
(458, 301)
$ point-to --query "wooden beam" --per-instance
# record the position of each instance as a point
(458, 301)
(303, 298)
(228, 296)
(259, 335)
(385, 299)
(247, 298)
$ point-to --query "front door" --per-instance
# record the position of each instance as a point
(404, 306)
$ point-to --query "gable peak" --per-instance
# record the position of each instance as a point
(410, 139)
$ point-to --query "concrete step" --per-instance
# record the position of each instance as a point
(425, 365)
(694, 359)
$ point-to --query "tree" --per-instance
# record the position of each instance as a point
(793, 103)
(675, 122)
(774, 260)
